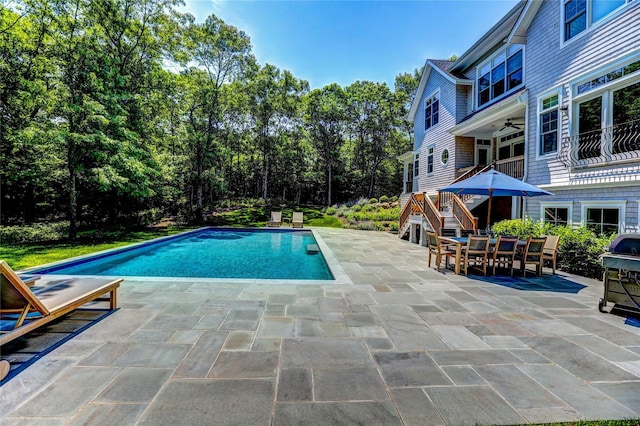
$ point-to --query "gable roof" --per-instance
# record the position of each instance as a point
(499, 33)
(519, 32)
(443, 68)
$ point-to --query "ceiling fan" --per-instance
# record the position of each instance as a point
(508, 123)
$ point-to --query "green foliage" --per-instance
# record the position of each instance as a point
(326, 221)
(369, 216)
(579, 248)
(330, 211)
(38, 232)
(373, 200)
(384, 199)
(356, 207)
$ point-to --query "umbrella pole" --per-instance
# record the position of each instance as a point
(489, 209)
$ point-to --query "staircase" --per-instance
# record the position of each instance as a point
(447, 211)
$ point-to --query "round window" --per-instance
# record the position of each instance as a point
(445, 156)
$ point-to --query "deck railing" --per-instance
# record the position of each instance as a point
(619, 143)
(463, 215)
(513, 166)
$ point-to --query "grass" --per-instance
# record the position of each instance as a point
(21, 256)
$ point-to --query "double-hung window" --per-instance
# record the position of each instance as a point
(548, 129)
(430, 153)
(500, 75)
(416, 165)
(604, 217)
(432, 110)
(579, 15)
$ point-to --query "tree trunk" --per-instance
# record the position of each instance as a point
(329, 186)
(73, 199)
(199, 190)
(264, 176)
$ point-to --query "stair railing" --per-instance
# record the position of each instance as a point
(421, 205)
(463, 215)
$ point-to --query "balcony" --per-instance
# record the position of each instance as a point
(615, 144)
(513, 166)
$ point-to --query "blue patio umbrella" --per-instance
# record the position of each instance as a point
(491, 183)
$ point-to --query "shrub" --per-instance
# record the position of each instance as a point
(579, 251)
(362, 201)
(366, 226)
(331, 211)
(394, 199)
(522, 228)
(367, 208)
(373, 200)
(356, 207)
(35, 233)
(384, 199)
(394, 227)
(343, 211)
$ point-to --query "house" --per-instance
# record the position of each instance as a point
(550, 95)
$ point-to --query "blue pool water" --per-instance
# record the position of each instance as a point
(212, 253)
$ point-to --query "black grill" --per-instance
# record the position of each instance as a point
(622, 273)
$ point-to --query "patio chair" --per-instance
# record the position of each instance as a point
(297, 220)
(504, 253)
(276, 219)
(466, 232)
(550, 251)
(476, 254)
(438, 250)
(26, 310)
(533, 254)
(448, 232)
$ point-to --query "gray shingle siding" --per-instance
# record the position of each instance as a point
(551, 64)
(437, 135)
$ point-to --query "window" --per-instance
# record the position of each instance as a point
(445, 156)
(581, 14)
(416, 165)
(556, 215)
(500, 75)
(430, 150)
(608, 109)
(511, 145)
(603, 221)
(431, 110)
(604, 217)
(548, 129)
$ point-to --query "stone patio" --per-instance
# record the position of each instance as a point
(401, 344)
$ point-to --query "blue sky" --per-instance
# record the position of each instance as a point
(325, 41)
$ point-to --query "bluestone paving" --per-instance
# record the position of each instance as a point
(400, 344)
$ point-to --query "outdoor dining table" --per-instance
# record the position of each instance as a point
(459, 242)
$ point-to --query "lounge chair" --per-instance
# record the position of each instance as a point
(297, 220)
(276, 219)
(29, 310)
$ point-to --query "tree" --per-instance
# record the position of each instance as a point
(222, 55)
(325, 118)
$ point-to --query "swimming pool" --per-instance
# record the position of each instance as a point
(211, 253)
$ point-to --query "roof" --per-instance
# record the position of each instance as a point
(499, 33)
(443, 68)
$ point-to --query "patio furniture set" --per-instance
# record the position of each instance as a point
(297, 220)
(482, 252)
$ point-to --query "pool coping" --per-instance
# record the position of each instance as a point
(339, 275)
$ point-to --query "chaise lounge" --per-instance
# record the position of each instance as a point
(297, 220)
(27, 310)
(276, 219)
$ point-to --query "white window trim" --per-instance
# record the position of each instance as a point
(436, 94)
(590, 26)
(556, 91)
(448, 157)
(558, 204)
(489, 60)
(621, 205)
(426, 162)
(416, 157)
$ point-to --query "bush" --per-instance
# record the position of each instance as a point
(384, 199)
(35, 233)
(366, 226)
(521, 228)
(367, 208)
(331, 211)
(356, 208)
(394, 199)
(343, 211)
(394, 227)
(579, 251)
(362, 202)
(373, 200)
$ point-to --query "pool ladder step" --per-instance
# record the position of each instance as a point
(312, 249)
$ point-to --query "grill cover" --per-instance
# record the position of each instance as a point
(626, 244)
